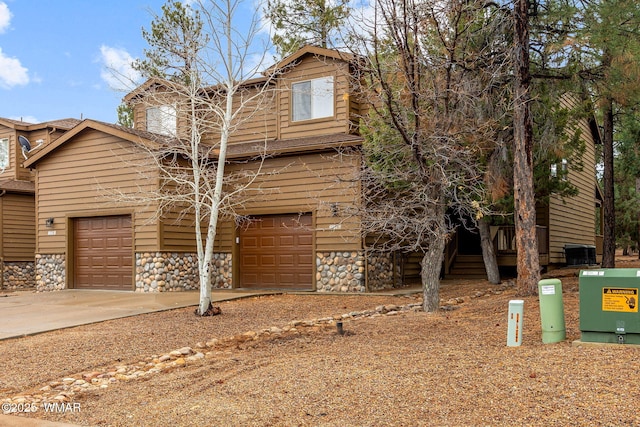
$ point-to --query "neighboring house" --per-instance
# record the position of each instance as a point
(299, 230)
(17, 200)
(569, 223)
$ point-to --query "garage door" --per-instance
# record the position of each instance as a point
(276, 252)
(103, 253)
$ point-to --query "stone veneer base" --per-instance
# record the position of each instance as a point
(18, 275)
(50, 272)
(336, 271)
(175, 271)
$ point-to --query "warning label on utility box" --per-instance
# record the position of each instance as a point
(620, 299)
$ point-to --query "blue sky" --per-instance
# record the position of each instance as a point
(55, 55)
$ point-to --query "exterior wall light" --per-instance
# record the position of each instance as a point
(49, 222)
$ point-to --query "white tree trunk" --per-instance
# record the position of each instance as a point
(204, 260)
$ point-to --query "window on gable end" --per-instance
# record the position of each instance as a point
(162, 120)
(312, 99)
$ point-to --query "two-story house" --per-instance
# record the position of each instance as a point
(299, 227)
(17, 197)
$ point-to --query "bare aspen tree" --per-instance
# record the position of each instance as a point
(202, 63)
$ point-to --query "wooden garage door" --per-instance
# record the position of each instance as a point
(276, 252)
(103, 253)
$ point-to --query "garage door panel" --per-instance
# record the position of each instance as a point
(304, 259)
(103, 253)
(251, 279)
(282, 261)
(305, 240)
(268, 260)
(266, 223)
(249, 260)
(287, 241)
(250, 242)
(287, 260)
(267, 242)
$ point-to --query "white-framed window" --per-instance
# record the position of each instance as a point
(563, 166)
(4, 154)
(162, 120)
(312, 99)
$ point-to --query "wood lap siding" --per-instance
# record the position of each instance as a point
(308, 183)
(311, 68)
(18, 227)
(67, 186)
(572, 220)
(257, 121)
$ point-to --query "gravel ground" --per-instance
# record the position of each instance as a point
(253, 366)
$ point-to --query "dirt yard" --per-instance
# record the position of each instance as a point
(280, 361)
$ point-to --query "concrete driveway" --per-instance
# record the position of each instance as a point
(27, 313)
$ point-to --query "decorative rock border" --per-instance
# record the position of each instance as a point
(18, 275)
(65, 389)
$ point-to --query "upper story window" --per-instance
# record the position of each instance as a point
(162, 120)
(312, 99)
(4, 154)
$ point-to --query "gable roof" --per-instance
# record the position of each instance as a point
(155, 82)
(309, 50)
(128, 134)
(149, 84)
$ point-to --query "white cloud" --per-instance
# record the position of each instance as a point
(12, 73)
(117, 71)
(5, 17)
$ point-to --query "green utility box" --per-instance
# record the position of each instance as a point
(609, 305)
(551, 311)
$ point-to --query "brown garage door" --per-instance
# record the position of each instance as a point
(276, 252)
(103, 253)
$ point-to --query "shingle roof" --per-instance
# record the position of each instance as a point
(17, 186)
(67, 123)
(293, 145)
(63, 123)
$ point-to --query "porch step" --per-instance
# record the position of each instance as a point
(467, 267)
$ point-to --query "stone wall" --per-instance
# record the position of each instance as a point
(50, 272)
(340, 272)
(221, 273)
(18, 275)
(171, 271)
(380, 266)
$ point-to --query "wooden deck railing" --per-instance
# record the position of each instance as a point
(505, 240)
